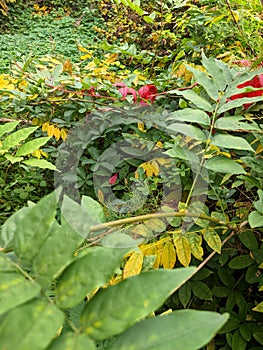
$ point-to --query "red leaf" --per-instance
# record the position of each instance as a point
(124, 90)
(256, 82)
(148, 94)
(113, 179)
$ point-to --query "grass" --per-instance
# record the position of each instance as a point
(55, 33)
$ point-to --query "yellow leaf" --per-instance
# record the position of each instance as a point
(195, 241)
(82, 49)
(56, 133)
(45, 126)
(50, 130)
(85, 57)
(168, 256)
(212, 239)
(134, 265)
(259, 149)
(37, 154)
(141, 230)
(183, 250)
(67, 66)
(35, 121)
(100, 196)
(259, 307)
(63, 134)
(141, 127)
(111, 58)
(150, 169)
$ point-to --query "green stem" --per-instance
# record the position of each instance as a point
(145, 217)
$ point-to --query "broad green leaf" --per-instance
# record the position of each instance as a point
(248, 239)
(8, 127)
(72, 341)
(195, 241)
(168, 256)
(33, 228)
(15, 138)
(212, 239)
(77, 216)
(190, 115)
(15, 290)
(259, 203)
(86, 274)
(40, 163)
(13, 159)
(56, 253)
(118, 307)
(222, 164)
(226, 106)
(9, 228)
(156, 225)
(240, 262)
(188, 130)
(31, 146)
(184, 294)
(208, 84)
(183, 250)
(255, 219)
(216, 72)
(35, 323)
(134, 265)
(119, 240)
(94, 208)
(231, 142)
(197, 100)
(201, 290)
(236, 123)
(179, 330)
(6, 264)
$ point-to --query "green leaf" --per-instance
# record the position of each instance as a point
(118, 307)
(86, 274)
(35, 323)
(249, 240)
(201, 290)
(231, 142)
(184, 294)
(259, 337)
(10, 227)
(6, 264)
(18, 136)
(40, 163)
(207, 83)
(224, 165)
(188, 130)
(72, 341)
(33, 228)
(216, 72)
(240, 262)
(259, 203)
(197, 100)
(236, 123)
(195, 241)
(15, 290)
(259, 307)
(213, 240)
(31, 146)
(179, 330)
(56, 253)
(221, 291)
(238, 103)
(94, 208)
(190, 115)
(255, 219)
(13, 159)
(8, 127)
(238, 343)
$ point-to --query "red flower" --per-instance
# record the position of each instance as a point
(113, 179)
(148, 94)
(256, 82)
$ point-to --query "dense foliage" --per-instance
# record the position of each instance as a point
(155, 111)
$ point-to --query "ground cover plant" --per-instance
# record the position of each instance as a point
(169, 141)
